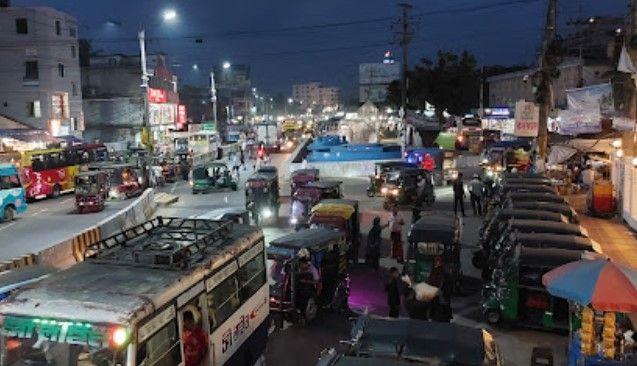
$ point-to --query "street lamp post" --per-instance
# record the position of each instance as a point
(213, 97)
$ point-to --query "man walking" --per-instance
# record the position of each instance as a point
(476, 191)
(396, 223)
(458, 195)
(393, 293)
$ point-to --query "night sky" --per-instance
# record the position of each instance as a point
(257, 32)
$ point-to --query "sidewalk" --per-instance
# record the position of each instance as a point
(615, 238)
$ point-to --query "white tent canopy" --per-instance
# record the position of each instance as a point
(564, 151)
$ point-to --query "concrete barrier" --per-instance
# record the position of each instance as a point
(71, 251)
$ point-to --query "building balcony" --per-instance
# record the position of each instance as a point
(26, 81)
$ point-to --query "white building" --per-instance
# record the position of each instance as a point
(314, 95)
(40, 81)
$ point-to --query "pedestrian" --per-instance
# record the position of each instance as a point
(242, 159)
(374, 242)
(588, 177)
(476, 192)
(235, 164)
(458, 195)
(396, 223)
(393, 292)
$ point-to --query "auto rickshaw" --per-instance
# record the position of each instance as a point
(212, 177)
(510, 197)
(91, 191)
(262, 196)
(125, 180)
(517, 295)
(236, 214)
(302, 177)
(341, 216)
(530, 181)
(380, 170)
(401, 187)
(306, 196)
(432, 238)
(421, 342)
(531, 188)
(294, 294)
(503, 215)
(169, 171)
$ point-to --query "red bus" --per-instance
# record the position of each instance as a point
(51, 172)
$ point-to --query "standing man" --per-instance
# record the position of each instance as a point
(396, 223)
(195, 341)
(458, 195)
(393, 293)
(476, 191)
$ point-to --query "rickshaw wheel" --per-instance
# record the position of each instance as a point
(311, 309)
(492, 316)
(9, 214)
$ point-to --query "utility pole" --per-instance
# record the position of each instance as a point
(213, 97)
(145, 122)
(547, 66)
(404, 34)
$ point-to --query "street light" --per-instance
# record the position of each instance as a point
(169, 15)
(195, 67)
(226, 65)
(290, 100)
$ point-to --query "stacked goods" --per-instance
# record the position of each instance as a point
(608, 335)
(587, 332)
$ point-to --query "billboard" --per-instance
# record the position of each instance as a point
(527, 119)
(378, 73)
(373, 93)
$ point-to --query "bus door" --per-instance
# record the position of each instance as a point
(194, 326)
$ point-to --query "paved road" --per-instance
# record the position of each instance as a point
(48, 222)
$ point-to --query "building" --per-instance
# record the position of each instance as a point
(114, 101)
(40, 81)
(313, 94)
(374, 79)
(595, 39)
(506, 89)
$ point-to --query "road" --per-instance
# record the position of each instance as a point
(48, 222)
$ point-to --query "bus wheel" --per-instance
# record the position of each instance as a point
(56, 191)
(492, 316)
(9, 214)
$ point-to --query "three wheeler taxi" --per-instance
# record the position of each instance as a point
(91, 191)
(341, 215)
(422, 342)
(125, 180)
(562, 208)
(236, 214)
(262, 197)
(212, 177)
(401, 187)
(530, 188)
(309, 195)
(503, 215)
(436, 239)
(302, 177)
(531, 197)
(517, 295)
(377, 180)
(300, 287)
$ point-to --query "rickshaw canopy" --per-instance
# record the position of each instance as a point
(558, 241)
(333, 209)
(525, 214)
(325, 184)
(562, 208)
(438, 228)
(304, 174)
(310, 239)
(535, 196)
(546, 257)
(539, 226)
(532, 188)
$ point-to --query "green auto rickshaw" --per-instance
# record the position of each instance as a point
(211, 177)
(516, 293)
(377, 180)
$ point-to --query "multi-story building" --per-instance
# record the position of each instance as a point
(313, 94)
(114, 101)
(596, 39)
(506, 89)
(40, 81)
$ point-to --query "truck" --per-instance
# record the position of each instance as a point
(267, 134)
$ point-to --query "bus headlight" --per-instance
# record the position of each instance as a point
(120, 337)
(267, 213)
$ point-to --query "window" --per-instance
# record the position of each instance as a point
(31, 70)
(61, 70)
(73, 52)
(162, 349)
(21, 26)
(72, 32)
(33, 109)
(74, 89)
(223, 301)
(58, 28)
(9, 182)
(252, 277)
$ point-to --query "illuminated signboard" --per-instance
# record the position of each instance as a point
(182, 116)
(56, 331)
(157, 95)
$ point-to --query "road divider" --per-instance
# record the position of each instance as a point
(71, 251)
(165, 199)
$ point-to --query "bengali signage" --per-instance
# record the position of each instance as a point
(182, 115)
(157, 95)
(527, 119)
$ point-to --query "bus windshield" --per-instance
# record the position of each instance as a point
(29, 341)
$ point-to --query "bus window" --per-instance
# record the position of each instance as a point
(252, 277)
(9, 182)
(223, 301)
(161, 349)
(37, 162)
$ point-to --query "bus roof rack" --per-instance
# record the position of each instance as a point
(163, 242)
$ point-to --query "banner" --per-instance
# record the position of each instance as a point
(591, 100)
(574, 122)
(527, 119)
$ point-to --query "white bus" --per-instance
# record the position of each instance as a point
(124, 304)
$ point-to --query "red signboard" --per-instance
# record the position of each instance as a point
(182, 116)
(157, 95)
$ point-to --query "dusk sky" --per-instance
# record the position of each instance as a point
(258, 33)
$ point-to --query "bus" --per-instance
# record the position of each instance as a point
(51, 172)
(12, 196)
(125, 303)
